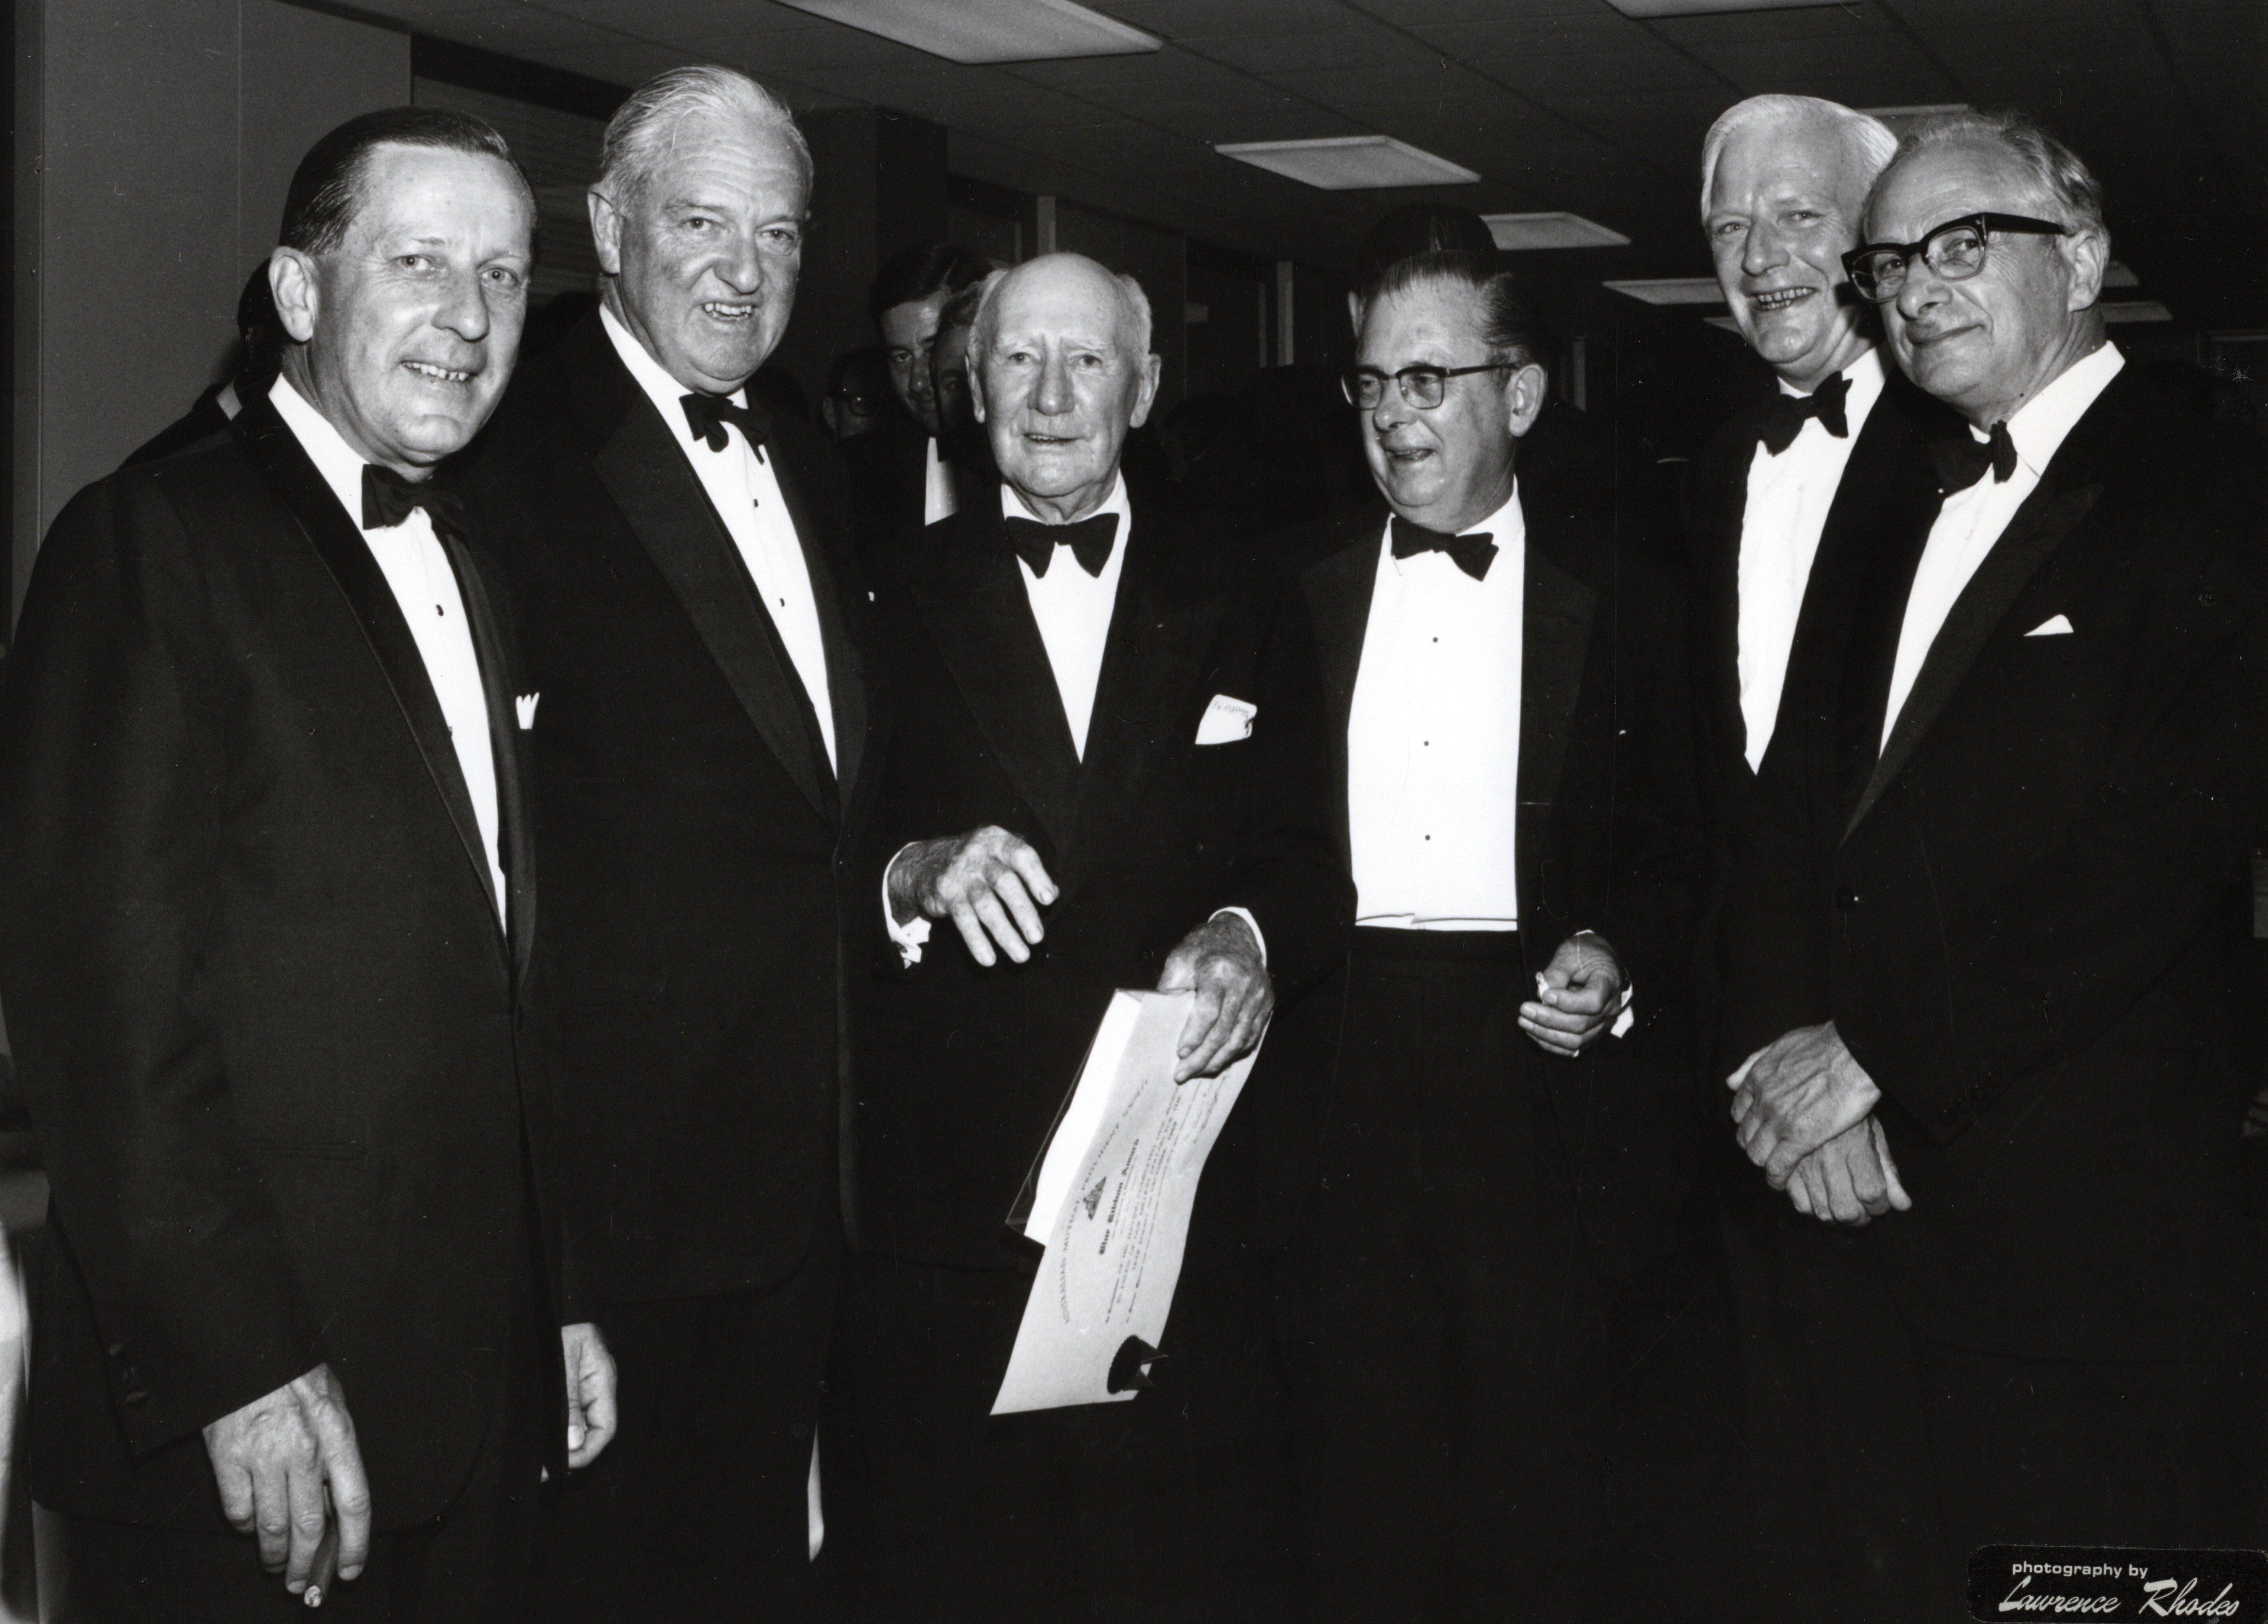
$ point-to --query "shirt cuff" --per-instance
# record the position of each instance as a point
(1258, 934)
(911, 936)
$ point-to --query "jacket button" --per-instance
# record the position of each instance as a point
(1846, 898)
(1145, 956)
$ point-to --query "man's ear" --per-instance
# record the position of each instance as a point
(291, 283)
(1523, 396)
(2087, 251)
(606, 230)
(1153, 368)
(977, 389)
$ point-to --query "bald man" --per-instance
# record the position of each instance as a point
(1110, 775)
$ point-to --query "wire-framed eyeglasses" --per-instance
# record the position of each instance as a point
(1421, 386)
(1954, 251)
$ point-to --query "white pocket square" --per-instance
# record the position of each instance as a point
(525, 705)
(2058, 627)
(1226, 721)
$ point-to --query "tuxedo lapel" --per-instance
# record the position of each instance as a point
(1338, 591)
(846, 674)
(515, 827)
(1149, 660)
(2039, 527)
(338, 542)
(1723, 503)
(981, 619)
(645, 469)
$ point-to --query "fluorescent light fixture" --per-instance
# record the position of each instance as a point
(1673, 290)
(2136, 310)
(1349, 163)
(995, 31)
(1696, 8)
(2117, 276)
(1901, 119)
(1727, 322)
(1556, 229)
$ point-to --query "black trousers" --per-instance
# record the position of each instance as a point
(1444, 1325)
(698, 1511)
(467, 1566)
(1884, 1457)
(1171, 1509)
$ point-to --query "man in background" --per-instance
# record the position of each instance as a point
(266, 891)
(900, 473)
(705, 732)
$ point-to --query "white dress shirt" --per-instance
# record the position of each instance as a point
(746, 496)
(1434, 738)
(1789, 495)
(1971, 520)
(416, 566)
(937, 499)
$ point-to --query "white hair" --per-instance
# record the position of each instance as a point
(643, 126)
(1130, 291)
(1867, 140)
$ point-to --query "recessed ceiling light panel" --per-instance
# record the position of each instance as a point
(1350, 163)
(995, 31)
(2117, 276)
(1556, 229)
(2136, 310)
(1694, 8)
(1672, 289)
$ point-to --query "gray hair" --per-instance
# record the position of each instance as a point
(1130, 291)
(644, 125)
(2064, 183)
(1867, 140)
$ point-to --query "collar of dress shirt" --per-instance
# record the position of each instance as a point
(666, 394)
(1012, 506)
(1506, 526)
(1866, 380)
(340, 464)
(2042, 423)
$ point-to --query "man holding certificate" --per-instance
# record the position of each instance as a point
(1111, 775)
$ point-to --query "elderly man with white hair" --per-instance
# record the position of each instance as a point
(1991, 907)
(1108, 771)
(703, 737)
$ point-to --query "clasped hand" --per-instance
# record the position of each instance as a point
(1579, 998)
(1803, 1111)
(991, 884)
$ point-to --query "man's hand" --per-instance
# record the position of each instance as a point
(1850, 1178)
(1794, 1094)
(1221, 960)
(984, 882)
(277, 1460)
(1580, 995)
(590, 1393)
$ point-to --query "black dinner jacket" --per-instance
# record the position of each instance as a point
(693, 926)
(963, 1068)
(888, 471)
(1608, 838)
(262, 1005)
(2031, 918)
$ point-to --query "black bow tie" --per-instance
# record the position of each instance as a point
(1089, 540)
(1784, 418)
(388, 499)
(1472, 554)
(1962, 460)
(708, 414)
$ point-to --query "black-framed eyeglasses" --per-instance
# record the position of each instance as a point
(1954, 251)
(1421, 386)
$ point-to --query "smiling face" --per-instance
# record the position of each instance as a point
(702, 248)
(1059, 382)
(405, 333)
(1782, 210)
(1449, 467)
(908, 331)
(1989, 343)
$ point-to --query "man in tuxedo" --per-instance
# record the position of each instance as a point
(703, 728)
(1992, 908)
(1107, 774)
(1502, 661)
(901, 473)
(268, 887)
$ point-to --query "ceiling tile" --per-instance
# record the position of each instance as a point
(518, 30)
(681, 20)
(1322, 49)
